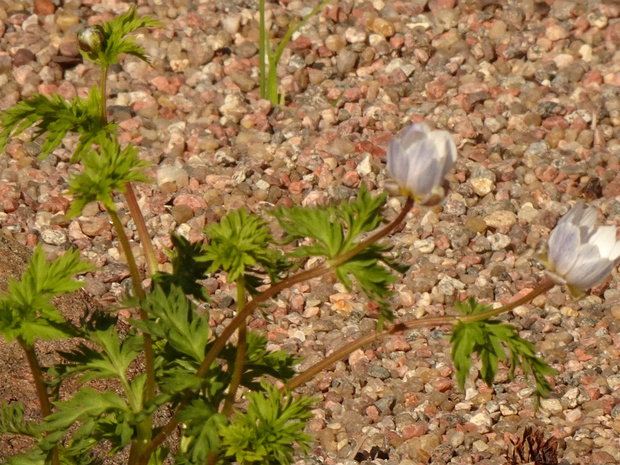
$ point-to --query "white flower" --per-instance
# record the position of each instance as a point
(419, 160)
(579, 254)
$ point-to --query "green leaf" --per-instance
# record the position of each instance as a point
(112, 357)
(267, 432)
(56, 117)
(240, 244)
(188, 268)
(114, 40)
(172, 318)
(491, 339)
(337, 229)
(12, 421)
(105, 172)
(26, 310)
(201, 435)
(260, 362)
(97, 415)
(85, 404)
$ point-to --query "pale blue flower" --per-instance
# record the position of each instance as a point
(419, 160)
(579, 254)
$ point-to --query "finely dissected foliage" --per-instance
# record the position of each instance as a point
(188, 267)
(240, 245)
(12, 421)
(26, 309)
(113, 39)
(265, 434)
(55, 117)
(105, 172)
(336, 230)
(490, 339)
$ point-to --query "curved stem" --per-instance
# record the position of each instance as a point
(544, 286)
(400, 327)
(242, 347)
(242, 315)
(103, 79)
(152, 266)
(145, 428)
(262, 51)
(39, 382)
(373, 238)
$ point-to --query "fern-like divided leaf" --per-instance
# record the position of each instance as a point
(241, 246)
(105, 171)
(188, 268)
(491, 339)
(26, 311)
(101, 416)
(173, 319)
(12, 421)
(115, 40)
(335, 230)
(56, 117)
(267, 432)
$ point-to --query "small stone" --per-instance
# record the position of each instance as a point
(378, 372)
(354, 35)
(455, 437)
(345, 61)
(243, 80)
(597, 19)
(172, 174)
(425, 245)
(365, 167)
(53, 236)
(553, 406)
(66, 20)
(43, 7)
(262, 184)
(563, 60)
(96, 226)
(483, 421)
(555, 32)
(335, 42)
(182, 213)
(23, 56)
(586, 138)
(482, 186)
(586, 52)
(231, 23)
(574, 415)
(381, 26)
(414, 430)
(527, 213)
(501, 219)
(476, 223)
(498, 30)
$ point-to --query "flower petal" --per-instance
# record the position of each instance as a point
(446, 148)
(415, 133)
(564, 243)
(605, 239)
(590, 269)
(424, 170)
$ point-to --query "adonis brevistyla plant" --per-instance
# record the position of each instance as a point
(222, 398)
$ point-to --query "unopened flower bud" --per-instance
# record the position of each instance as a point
(579, 254)
(419, 160)
(91, 41)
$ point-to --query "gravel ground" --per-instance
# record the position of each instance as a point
(530, 91)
